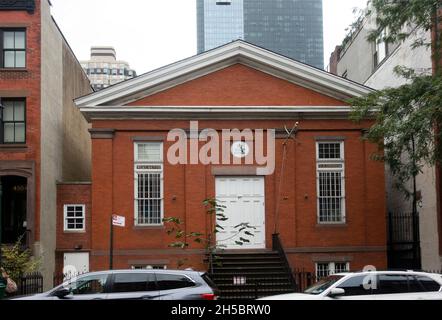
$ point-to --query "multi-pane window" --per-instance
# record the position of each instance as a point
(328, 268)
(148, 183)
(330, 182)
(74, 217)
(13, 46)
(13, 121)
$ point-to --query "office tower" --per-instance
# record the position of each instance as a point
(293, 28)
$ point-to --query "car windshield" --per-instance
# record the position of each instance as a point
(322, 285)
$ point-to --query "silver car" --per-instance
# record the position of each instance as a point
(373, 285)
(134, 285)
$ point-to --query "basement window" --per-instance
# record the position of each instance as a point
(326, 269)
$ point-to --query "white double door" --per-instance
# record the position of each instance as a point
(244, 199)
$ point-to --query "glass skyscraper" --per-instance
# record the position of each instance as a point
(293, 28)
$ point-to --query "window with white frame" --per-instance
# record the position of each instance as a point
(330, 176)
(381, 48)
(74, 217)
(324, 269)
(148, 184)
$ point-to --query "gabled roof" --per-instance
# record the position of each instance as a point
(216, 59)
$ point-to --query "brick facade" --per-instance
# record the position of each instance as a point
(26, 84)
(360, 241)
(57, 145)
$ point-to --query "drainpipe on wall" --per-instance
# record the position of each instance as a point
(416, 223)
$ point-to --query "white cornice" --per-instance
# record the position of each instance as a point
(218, 112)
(219, 58)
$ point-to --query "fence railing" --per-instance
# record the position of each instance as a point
(304, 279)
(278, 247)
(28, 284)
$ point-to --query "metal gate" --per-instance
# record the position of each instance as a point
(404, 250)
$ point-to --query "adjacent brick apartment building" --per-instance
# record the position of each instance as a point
(43, 136)
(325, 197)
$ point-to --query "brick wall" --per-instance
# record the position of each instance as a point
(362, 238)
(72, 241)
(26, 84)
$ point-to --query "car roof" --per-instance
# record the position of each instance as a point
(406, 272)
(160, 271)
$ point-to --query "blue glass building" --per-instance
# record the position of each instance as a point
(293, 28)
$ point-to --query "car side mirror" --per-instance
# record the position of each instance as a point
(336, 292)
(62, 293)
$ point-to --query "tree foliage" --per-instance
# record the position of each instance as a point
(216, 214)
(18, 261)
(405, 120)
(406, 116)
(401, 17)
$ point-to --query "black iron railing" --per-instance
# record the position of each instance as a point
(277, 246)
(403, 240)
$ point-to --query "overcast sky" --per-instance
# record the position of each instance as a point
(152, 33)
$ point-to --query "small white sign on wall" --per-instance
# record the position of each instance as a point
(118, 221)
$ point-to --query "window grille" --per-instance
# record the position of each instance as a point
(331, 182)
(148, 184)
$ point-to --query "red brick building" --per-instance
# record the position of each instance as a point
(325, 197)
(43, 136)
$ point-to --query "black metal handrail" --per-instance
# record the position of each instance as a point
(277, 246)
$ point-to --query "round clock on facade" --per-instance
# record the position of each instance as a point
(240, 149)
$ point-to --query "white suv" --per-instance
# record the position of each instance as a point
(374, 285)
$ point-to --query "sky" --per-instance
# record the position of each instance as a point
(152, 33)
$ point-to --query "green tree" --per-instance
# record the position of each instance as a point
(407, 116)
(18, 261)
(216, 214)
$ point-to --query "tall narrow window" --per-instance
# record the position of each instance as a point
(381, 48)
(148, 184)
(13, 48)
(330, 182)
(13, 121)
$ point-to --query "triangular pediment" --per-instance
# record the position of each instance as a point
(153, 90)
(237, 85)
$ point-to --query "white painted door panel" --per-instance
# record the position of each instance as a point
(244, 198)
(75, 263)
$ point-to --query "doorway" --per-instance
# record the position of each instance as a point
(13, 198)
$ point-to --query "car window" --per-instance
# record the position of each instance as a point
(428, 284)
(392, 283)
(209, 281)
(322, 285)
(355, 286)
(414, 285)
(133, 282)
(94, 284)
(173, 281)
